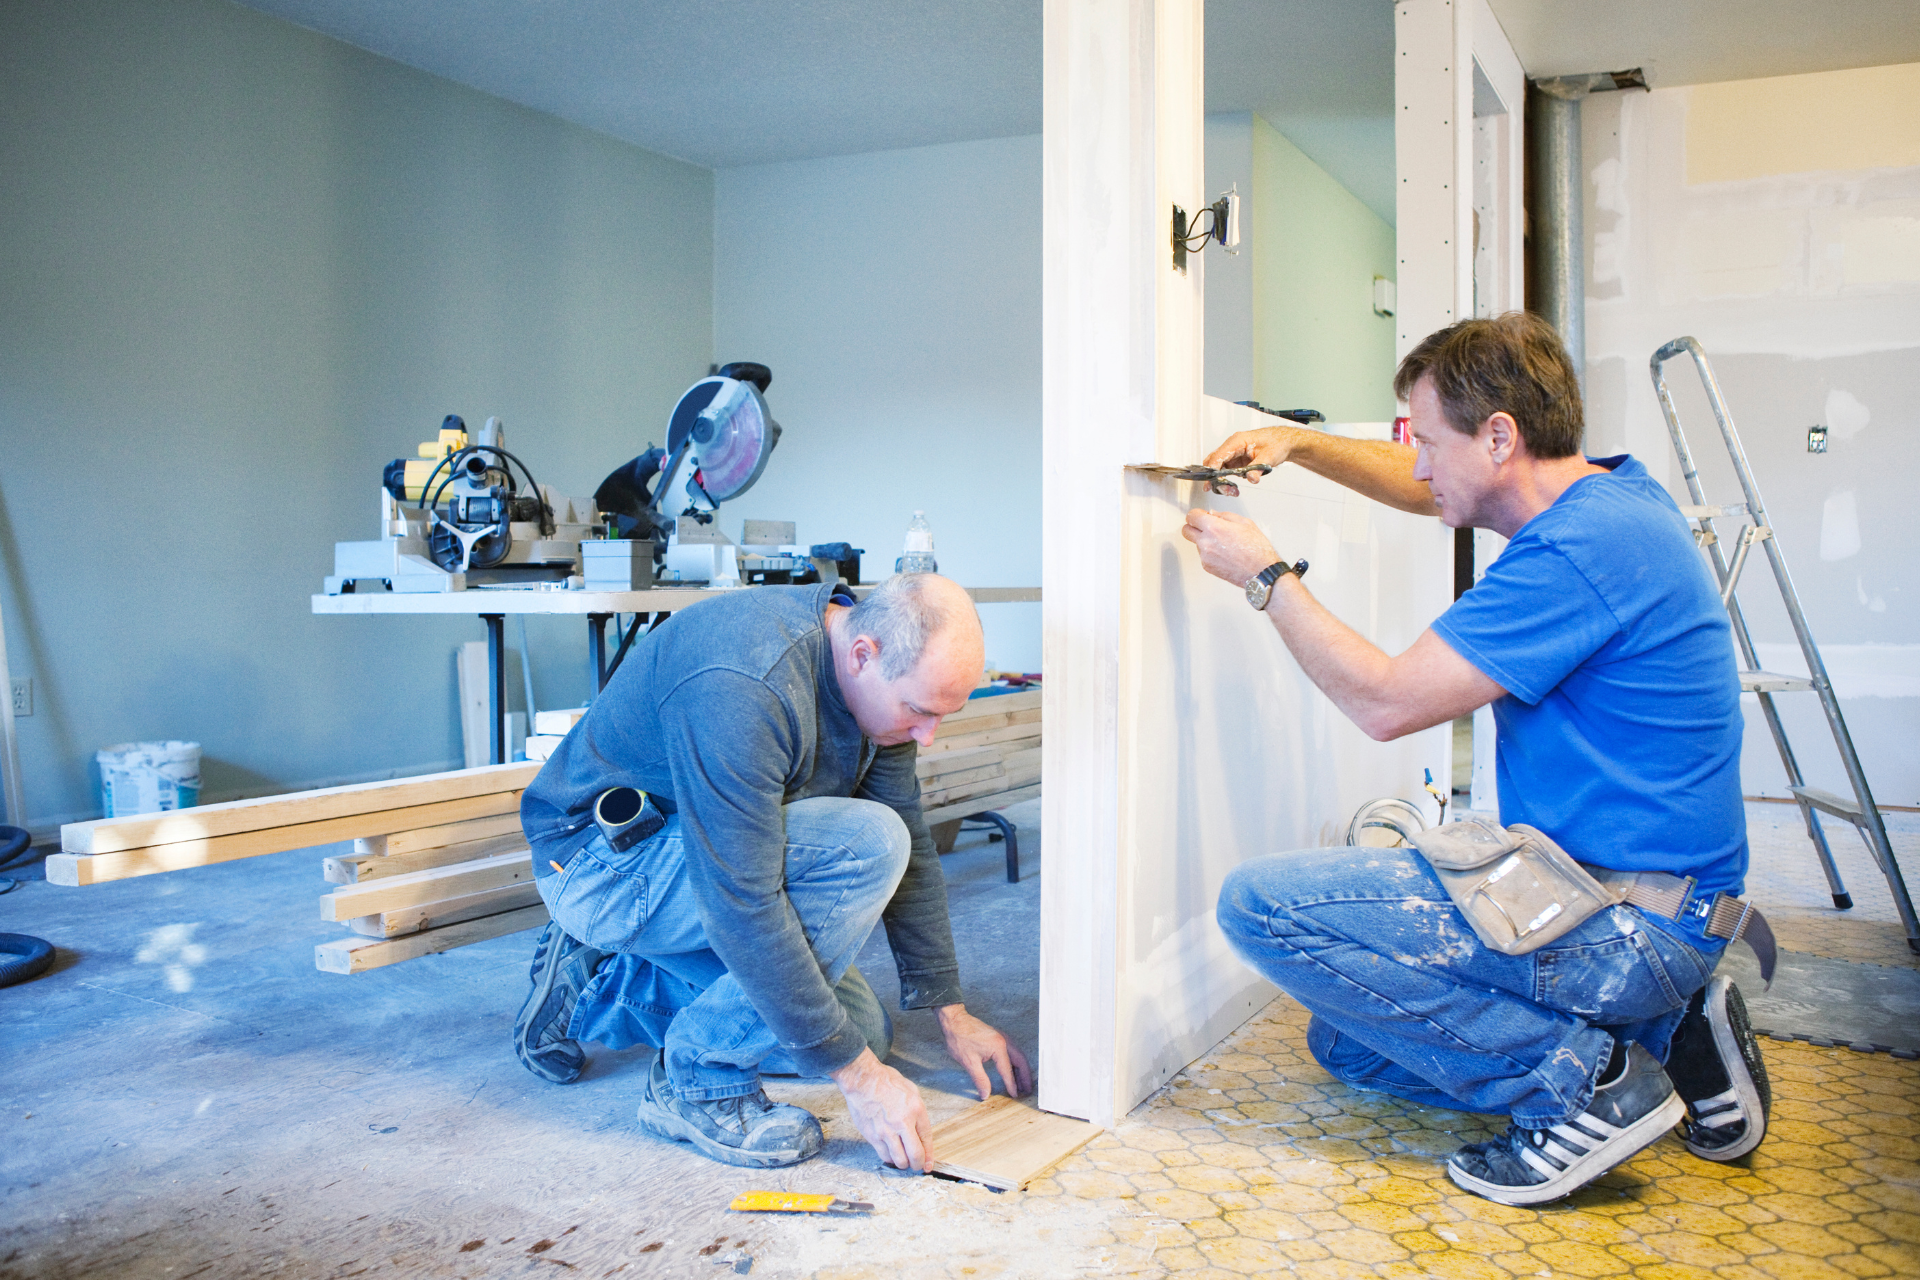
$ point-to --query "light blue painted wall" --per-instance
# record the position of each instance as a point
(242, 266)
(896, 297)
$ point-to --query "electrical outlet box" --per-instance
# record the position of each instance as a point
(1384, 302)
(22, 695)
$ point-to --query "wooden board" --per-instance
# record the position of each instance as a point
(181, 826)
(393, 893)
(954, 761)
(980, 804)
(1025, 733)
(357, 955)
(435, 915)
(74, 869)
(362, 867)
(998, 704)
(439, 837)
(1016, 770)
(1006, 1143)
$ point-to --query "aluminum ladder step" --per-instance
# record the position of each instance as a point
(1772, 682)
(1844, 807)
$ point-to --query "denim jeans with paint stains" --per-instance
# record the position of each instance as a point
(667, 987)
(1407, 1000)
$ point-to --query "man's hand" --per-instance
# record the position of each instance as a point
(1231, 546)
(974, 1044)
(886, 1108)
(1269, 446)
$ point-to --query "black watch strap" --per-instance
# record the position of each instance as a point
(1271, 574)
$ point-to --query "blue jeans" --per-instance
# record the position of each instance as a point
(1407, 1000)
(666, 987)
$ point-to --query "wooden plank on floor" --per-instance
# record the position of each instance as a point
(301, 808)
(435, 915)
(74, 869)
(1006, 1143)
(980, 804)
(392, 893)
(357, 955)
(362, 867)
(398, 842)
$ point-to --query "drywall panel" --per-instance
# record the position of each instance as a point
(1228, 752)
(1101, 263)
(1867, 118)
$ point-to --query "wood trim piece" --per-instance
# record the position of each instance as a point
(362, 867)
(1005, 1143)
(998, 704)
(419, 888)
(75, 869)
(436, 915)
(301, 808)
(452, 833)
(357, 955)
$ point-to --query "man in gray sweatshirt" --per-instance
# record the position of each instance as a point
(770, 734)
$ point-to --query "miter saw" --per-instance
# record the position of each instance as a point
(719, 438)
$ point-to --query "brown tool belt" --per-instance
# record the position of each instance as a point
(1672, 898)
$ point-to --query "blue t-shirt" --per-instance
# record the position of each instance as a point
(1619, 735)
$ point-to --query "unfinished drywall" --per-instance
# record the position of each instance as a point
(1778, 221)
(896, 297)
(1290, 318)
(244, 266)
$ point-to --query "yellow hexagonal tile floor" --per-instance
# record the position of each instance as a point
(1255, 1162)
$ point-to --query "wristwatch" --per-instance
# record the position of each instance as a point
(1260, 585)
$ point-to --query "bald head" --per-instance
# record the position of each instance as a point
(914, 618)
(908, 654)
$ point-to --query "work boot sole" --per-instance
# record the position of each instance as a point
(1733, 1040)
(560, 1061)
(1620, 1147)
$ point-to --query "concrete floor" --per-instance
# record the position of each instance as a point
(187, 1096)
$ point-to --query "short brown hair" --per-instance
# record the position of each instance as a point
(1514, 363)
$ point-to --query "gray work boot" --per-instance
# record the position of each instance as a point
(562, 967)
(1630, 1110)
(1715, 1064)
(752, 1130)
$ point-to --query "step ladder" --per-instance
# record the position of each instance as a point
(1859, 809)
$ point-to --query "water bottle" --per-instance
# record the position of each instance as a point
(917, 554)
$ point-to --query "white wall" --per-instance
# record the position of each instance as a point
(896, 297)
(243, 266)
(1778, 221)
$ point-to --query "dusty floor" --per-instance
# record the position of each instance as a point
(186, 1096)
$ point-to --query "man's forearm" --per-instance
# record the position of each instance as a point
(1379, 469)
(1343, 664)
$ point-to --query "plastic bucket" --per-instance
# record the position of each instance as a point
(149, 777)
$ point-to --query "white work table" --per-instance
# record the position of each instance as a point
(492, 606)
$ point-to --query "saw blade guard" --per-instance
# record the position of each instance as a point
(731, 433)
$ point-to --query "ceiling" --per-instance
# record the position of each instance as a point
(737, 82)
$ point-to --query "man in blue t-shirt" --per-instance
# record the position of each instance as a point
(1599, 639)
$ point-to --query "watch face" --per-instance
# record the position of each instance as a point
(1257, 592)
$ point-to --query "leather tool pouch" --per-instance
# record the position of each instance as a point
(1518, 889)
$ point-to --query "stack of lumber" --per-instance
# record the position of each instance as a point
(439, 861)
(984, 756)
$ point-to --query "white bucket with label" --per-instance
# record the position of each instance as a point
(149, 777)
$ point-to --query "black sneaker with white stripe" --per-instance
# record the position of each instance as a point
(1632, 1106)
(1715, 1064)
